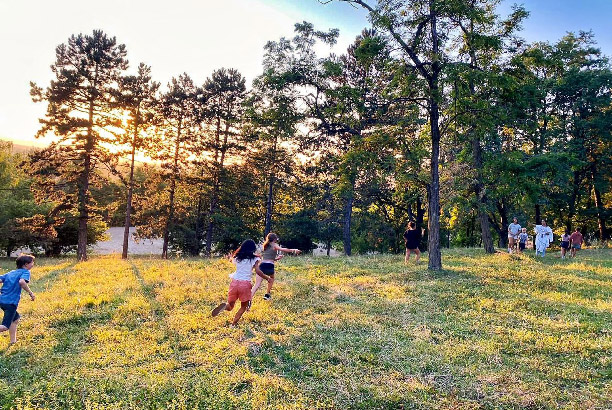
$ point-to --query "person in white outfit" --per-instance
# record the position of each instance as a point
(544, 237)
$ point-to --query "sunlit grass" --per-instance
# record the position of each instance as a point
(496, 331)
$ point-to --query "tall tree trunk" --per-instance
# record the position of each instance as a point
(83, 187)
(573, 201)
(346, 231)
(420, 217)
(128, 208)
(503, 227)
(601, 214)
(481, 198)
(83, 209)
(479, 191)
(433, 238)
(199, 226)
(172, 191)
(215, 193)
(269, 205)
(270, 198)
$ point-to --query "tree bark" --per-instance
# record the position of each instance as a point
(269, 205)
(601, 218)
(215, 193)
(503, 227)
(83, 209)
(270, 198)
(172, 191)
(479, 189)
(433, 238)
(573, 201)
(128, 208)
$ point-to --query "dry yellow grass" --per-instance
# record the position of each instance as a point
(365, 332)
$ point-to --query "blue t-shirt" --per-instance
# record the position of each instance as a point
(11, 291)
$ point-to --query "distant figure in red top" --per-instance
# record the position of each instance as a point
(576, 241)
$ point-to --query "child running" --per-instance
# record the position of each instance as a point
(270, 254)
(10, 294)
(240, 288)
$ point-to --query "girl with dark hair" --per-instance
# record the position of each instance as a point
(246, 261)
(412, 237)
(272, 252)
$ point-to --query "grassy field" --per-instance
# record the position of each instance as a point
(488, 332)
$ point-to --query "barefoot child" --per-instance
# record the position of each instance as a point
(240, 288)
(10, 294)
(270, 255)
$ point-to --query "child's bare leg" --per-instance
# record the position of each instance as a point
(258, 281)
(407, 256)
(243, 308)
(3, 328)
(418, 255)
(270, 283)
(230, 305)
(13, 331)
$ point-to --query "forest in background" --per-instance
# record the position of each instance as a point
(438, 112)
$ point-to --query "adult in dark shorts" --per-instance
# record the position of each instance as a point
(412, 237)
(576, 240)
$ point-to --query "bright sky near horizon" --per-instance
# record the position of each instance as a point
(199, 36)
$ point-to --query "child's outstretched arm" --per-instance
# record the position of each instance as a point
(260, 273)
(24, 285)
(287, 250)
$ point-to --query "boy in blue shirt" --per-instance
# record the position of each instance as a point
(12, 283)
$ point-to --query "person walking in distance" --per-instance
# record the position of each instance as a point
(514, 229)
(576, 240)
(412, 237)
(544, 237)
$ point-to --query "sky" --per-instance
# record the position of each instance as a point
(200, 36)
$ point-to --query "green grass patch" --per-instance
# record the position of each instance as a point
(488, 332)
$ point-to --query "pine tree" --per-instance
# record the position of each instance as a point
(79, 112)
(137, 96)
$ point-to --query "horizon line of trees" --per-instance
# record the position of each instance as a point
(438, 113)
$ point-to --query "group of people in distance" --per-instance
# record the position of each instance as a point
(247, 261)
(543, 239)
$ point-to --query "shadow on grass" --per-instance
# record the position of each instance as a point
(72, 331)
(44, 282)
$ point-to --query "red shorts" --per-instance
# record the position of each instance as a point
(239, 289)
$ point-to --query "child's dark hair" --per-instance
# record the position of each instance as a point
(272, 237)
(411, 225)
(246, 250)
(23, 260)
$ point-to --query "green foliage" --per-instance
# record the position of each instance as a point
(298, 230)
(16, 201)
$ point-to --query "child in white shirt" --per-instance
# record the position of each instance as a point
(245, 261)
